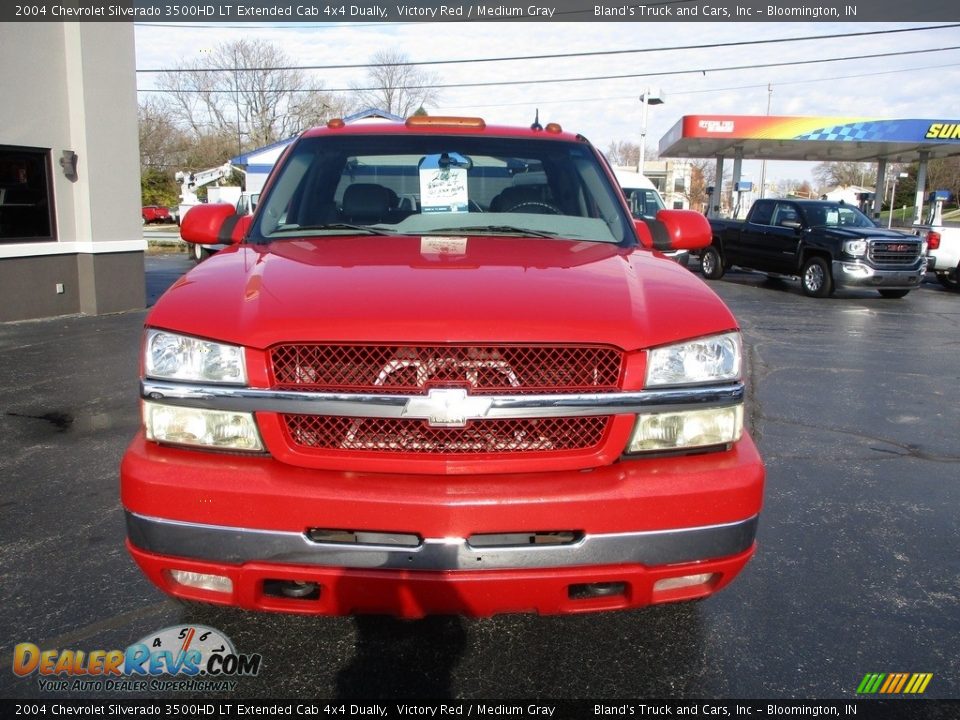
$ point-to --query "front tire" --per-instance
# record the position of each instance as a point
(951, 281)
(815, 278)
(711, 264)
(893, 294)
(199, 252)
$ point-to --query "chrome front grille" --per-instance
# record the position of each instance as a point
(894, 252)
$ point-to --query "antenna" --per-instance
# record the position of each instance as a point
(536, 122)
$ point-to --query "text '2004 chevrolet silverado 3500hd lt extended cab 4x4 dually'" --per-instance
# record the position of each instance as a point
(441, 370)
(828, 245)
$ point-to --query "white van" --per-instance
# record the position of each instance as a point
(645, 202)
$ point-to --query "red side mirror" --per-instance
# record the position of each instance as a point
(214, 224)
(675, 230)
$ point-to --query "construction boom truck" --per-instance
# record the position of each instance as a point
(190, 182)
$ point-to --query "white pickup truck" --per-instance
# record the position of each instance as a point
(943, 253)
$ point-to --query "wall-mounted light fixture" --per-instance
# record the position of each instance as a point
(68, 161)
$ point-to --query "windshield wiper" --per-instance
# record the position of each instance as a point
(335, 226)
(505, 229)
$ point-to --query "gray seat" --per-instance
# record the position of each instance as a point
(367, 203)
(787, 216)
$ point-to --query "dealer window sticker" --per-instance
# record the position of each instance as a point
(443, 184)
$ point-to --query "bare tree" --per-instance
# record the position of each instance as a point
(832, 174)
(246, 89)
(394, 87)
(161, 140)
(943, 174)
(701, 175)
(623, 153)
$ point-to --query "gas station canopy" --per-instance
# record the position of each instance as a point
(816, 139)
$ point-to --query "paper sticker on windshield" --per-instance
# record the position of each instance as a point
(443, 245)
(833, 217)
(443, 184)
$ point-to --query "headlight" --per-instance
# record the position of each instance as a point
(687, 429)
(178, 357)
(856, 248)
(201, 428)
(708, 360)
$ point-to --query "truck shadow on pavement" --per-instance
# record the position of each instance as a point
(658, 651)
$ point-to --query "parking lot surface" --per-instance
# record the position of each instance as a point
(855, 406)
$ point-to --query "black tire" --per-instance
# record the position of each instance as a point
(199, 253)
(711, 264)
(951, 281)
(815, 278)
(893, 294)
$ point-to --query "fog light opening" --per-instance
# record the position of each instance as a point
(684, 581)
(202, 581)
(293, 589)
(589, 591)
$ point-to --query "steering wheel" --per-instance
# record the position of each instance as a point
(536, 207)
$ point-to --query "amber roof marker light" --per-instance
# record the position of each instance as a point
(445, 121)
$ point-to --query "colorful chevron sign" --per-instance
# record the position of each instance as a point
(894, 683)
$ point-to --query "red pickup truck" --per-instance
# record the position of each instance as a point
(155, 214)
(441, 370)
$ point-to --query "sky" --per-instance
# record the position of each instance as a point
(912, 85)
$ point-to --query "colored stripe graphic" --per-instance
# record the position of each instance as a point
(894, 683)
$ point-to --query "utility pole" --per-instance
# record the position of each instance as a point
(763, 165)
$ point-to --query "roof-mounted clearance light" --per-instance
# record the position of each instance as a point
(441, 121)
(335, 123)
(553, 128)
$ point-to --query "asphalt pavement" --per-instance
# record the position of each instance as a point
(854, 405)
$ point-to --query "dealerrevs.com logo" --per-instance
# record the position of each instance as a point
(182, 657)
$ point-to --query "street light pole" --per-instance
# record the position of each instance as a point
(650, 96)
(893, 197)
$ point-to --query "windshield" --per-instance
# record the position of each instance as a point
(836, 215)
(441, 185)
(644, 203)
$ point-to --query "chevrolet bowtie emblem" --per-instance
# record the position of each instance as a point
(447, 407)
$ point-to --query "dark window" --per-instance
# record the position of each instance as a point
(26, 195)
(786, 213)
(762, 213)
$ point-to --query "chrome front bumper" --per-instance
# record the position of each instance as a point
(233, 545)
(847, 274)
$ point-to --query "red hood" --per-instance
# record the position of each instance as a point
(483, 289)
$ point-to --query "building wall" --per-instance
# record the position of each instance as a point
(72, 86)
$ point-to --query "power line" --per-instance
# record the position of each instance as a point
(593, 78)
(597, 53)
(675, 93)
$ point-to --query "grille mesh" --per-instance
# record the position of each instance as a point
(413, 370)
(320, 432)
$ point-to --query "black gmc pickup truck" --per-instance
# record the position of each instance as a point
(828, 245)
